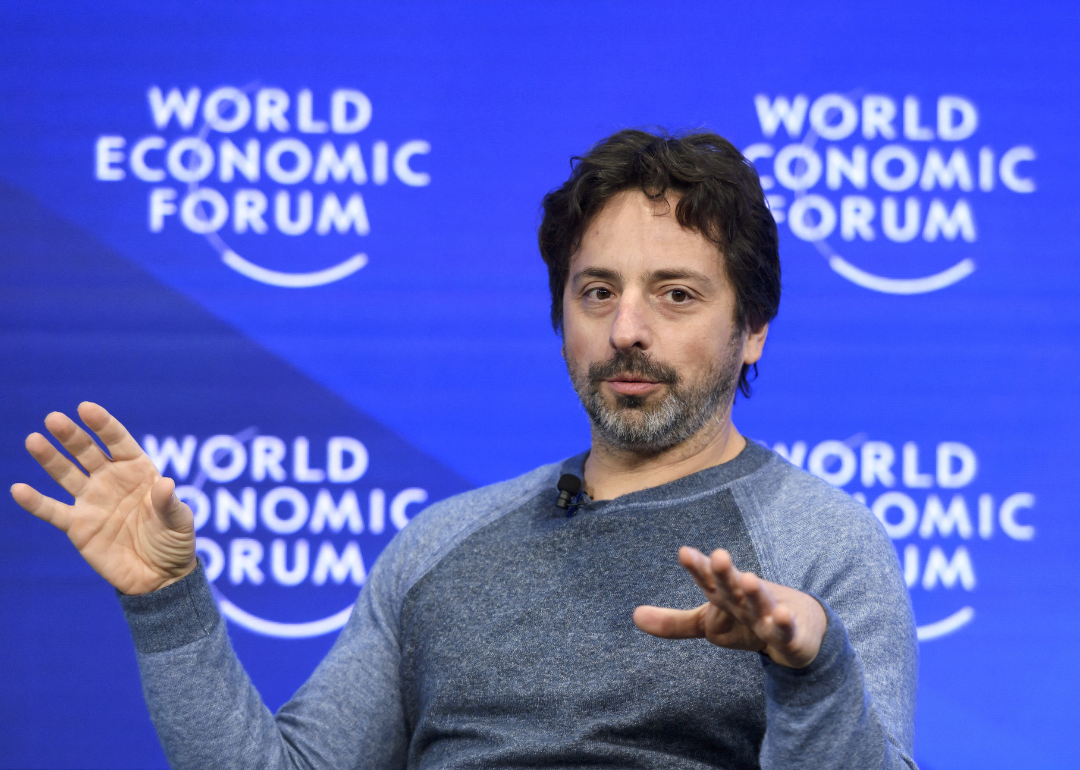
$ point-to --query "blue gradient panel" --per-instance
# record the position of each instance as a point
(292, 247)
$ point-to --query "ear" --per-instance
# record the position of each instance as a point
(754, 345)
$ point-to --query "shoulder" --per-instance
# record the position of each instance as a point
(811, 529)
(438, 529)
(784, 487)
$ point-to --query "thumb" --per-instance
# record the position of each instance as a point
(169, 508)
(670, 624)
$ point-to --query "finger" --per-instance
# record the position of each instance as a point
(729, 594)
(115, 436)
(694, 562)
(779, 627)
(55, 464)
(759, 599)
(725, 574)
(733, 587)
(670, 624)
(76, 441)
(45, 508)
(173, 512)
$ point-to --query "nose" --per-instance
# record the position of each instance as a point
(630, 326)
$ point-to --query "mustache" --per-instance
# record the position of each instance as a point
(634, 363)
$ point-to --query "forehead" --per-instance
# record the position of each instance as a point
(636, 234)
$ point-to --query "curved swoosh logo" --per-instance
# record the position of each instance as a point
(281, 630)
(293, 280)
(957, 272)
(946, 626)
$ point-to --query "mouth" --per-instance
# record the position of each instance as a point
(632, 386)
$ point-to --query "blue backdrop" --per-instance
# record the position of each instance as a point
(292, 247)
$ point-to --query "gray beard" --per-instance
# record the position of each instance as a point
(632, 423)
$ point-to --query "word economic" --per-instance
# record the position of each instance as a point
(893, 167)
(287, 515)
(243, 162)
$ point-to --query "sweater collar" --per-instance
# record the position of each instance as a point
(750, 459)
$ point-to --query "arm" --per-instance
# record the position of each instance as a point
(821, 711)
(133, 531)
(823, 715)
(208, 714)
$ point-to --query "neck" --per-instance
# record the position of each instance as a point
(611, 472)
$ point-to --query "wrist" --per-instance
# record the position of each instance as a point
(824, 675)
(171, 617)
(179, 574)
(810, 623)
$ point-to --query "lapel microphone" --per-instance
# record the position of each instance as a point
(569, 485)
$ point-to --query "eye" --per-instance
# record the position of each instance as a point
(678, 295)
(599, 293)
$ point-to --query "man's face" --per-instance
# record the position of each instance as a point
(649, 334)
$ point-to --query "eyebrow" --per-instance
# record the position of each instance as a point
(676, 275)
(602, 273)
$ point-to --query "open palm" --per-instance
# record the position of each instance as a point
(743, 612)
(126, 521)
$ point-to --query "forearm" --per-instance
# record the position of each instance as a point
(206, 711)
(823, 717)
(208, 714)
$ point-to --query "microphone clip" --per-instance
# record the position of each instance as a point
(569, 487)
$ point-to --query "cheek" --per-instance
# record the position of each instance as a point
(578, 338)
(697, 349)
(577, 359)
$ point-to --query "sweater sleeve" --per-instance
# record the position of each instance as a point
(208, 714)
(854, 705)
(823, 716)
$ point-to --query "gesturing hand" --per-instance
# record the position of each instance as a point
(126, 521)
(743, 612)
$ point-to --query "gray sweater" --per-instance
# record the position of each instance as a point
(496, 631)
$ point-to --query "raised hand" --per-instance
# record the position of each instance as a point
(743, 612)
(126, 521)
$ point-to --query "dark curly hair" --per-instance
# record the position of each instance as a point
(719, 195)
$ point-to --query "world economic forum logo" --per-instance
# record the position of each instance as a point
(950, 527)
(286, 527)
(865, 175)
(279, 172)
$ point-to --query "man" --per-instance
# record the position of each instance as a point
(502, 630)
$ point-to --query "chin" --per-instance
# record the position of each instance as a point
(637, 403)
